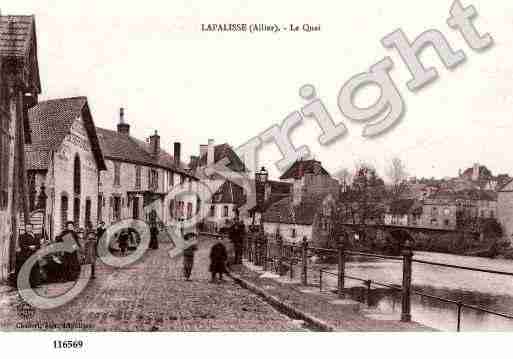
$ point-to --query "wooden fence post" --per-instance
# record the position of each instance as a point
(304, 255)
(341, 267)
(407, 272)
(280, 254)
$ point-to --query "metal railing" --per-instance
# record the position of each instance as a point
(274, 254)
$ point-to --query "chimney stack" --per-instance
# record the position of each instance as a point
(123, 127)
(177, 153)
(475, 172)
(203, 150)
(155, 144)
(210, 152)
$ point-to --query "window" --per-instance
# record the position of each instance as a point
(225, 211)
(189, 210)
(293, 233)
(88, 223)
(76, 175)
(492, 214)
(212, 211)
(153, 180)
(182, 179)
(172, 208)
(117, 173)
(434, 211)
(447, 222)
(171, 181)
(76, 211)
(64, 211)
(116, 210)
(137, 176)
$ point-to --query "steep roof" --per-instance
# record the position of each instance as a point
(284, 211)
(484, 172)
(505, 185)
(221, 152)
(18, 48)
(125, 148)
(302, 167)
(50, 122)
(229, 192)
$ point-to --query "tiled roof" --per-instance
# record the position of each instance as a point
(125, 148)
(302, 167)
(15, 35)
(50, 121)
(229, 192)
(284, 211)
(225, 151)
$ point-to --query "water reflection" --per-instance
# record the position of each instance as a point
(494, 292)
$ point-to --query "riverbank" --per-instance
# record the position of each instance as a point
(321, 309)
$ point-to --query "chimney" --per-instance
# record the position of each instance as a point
(203, 150)
(155, 144)
(123, 127)
(177, 153)
(193, 162)
(210, 152)
(475, 172)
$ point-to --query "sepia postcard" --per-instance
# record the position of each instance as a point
(255, 166)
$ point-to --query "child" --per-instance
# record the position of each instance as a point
(188, 261)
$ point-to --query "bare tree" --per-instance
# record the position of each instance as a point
(397, 175)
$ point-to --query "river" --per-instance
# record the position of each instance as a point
(491, 291)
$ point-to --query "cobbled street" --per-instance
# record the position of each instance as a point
(151, 295)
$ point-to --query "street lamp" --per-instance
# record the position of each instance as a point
(261, 179)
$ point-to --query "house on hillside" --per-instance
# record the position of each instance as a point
(19, 89)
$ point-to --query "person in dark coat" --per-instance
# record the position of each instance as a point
(154, 232)
(218, 257)
(123, 240)
(236, 234)
(29, 245)
(188, 261)
(100, 231)
(70, 260)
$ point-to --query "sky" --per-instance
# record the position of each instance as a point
(153, 59)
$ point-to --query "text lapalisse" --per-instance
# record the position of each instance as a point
(224, 27)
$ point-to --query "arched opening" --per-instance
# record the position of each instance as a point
(76, 176)
(64, 210)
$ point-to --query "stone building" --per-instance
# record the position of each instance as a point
(139, 178)
(310, 208)
(19, 88)
(64, 160)
(505, 210)
(228, 196)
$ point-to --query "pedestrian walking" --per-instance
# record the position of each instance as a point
(188, 261)
(236, 234)
(100, 231)
(70, 260)
(90, 252)
(123, 240)
(218, 257)
(154, 233)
